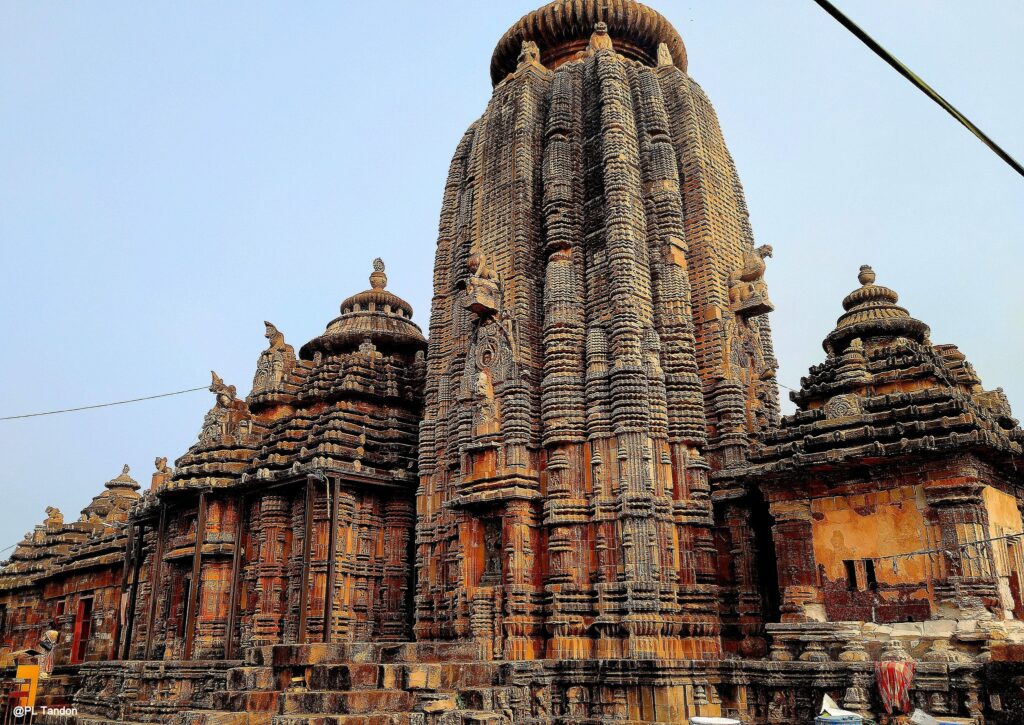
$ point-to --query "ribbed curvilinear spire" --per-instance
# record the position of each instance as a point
(598, 340)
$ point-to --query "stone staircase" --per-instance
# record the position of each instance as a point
(359, 684)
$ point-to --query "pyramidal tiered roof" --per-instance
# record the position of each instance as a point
(55, 543)
(114, 503)
(885, 390)
(371, 352)
(374, 315)
(295, 418)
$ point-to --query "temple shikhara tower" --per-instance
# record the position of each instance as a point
(599, 345)
(579, 502)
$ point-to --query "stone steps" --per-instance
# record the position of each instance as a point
(247, 701)
(320, 653)
(251, 678)
(197, 717)
(348, 702)
(358, 684)
(317, 719)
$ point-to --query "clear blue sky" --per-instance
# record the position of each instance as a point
(172, 174)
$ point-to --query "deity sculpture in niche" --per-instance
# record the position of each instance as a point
(483, 289)
(492, 552)
(491, 355)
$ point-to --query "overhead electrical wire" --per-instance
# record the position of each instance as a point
(918, 82)
(104, 405)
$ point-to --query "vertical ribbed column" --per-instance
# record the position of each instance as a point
(688, 524)
(215, 588)
(563, 402)
(717, 235)
(271, 571)
(629, 294)
(437, 449)
(399, 517)
(345, 564)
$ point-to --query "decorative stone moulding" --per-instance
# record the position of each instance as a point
(562, 29)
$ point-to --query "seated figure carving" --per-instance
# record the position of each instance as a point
(482, 295)
(748, 293)
(227, 414)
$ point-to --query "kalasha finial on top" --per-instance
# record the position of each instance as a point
(378, 280)
(124, 480)
(872, 312)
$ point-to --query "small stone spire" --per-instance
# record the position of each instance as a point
(378, 280)
(872, 312)
(123, 480)
(374, 314)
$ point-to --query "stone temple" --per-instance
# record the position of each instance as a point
(579, 501)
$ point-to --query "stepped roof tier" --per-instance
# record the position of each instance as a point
(375, 314)
(227, 442)
(352, 393)
(55, 545)
(871, 311)
(115, 502)
(885, 390)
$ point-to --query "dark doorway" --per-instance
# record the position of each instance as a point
(764, 547)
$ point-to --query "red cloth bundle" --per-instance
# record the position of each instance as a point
(894, 679)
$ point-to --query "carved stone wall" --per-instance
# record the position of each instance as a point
(290, 519)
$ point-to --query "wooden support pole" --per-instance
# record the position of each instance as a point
(332, 553)
(115, 644)
(236, 569)
(306, 547)
(154, 581)
(193, 590)
(133, 595)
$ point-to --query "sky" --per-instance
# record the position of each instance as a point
(173, 174)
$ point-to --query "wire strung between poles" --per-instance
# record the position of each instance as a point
(918, 82)
(105, 405)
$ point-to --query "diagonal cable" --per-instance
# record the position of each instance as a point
(104, 405)
(917, 81)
